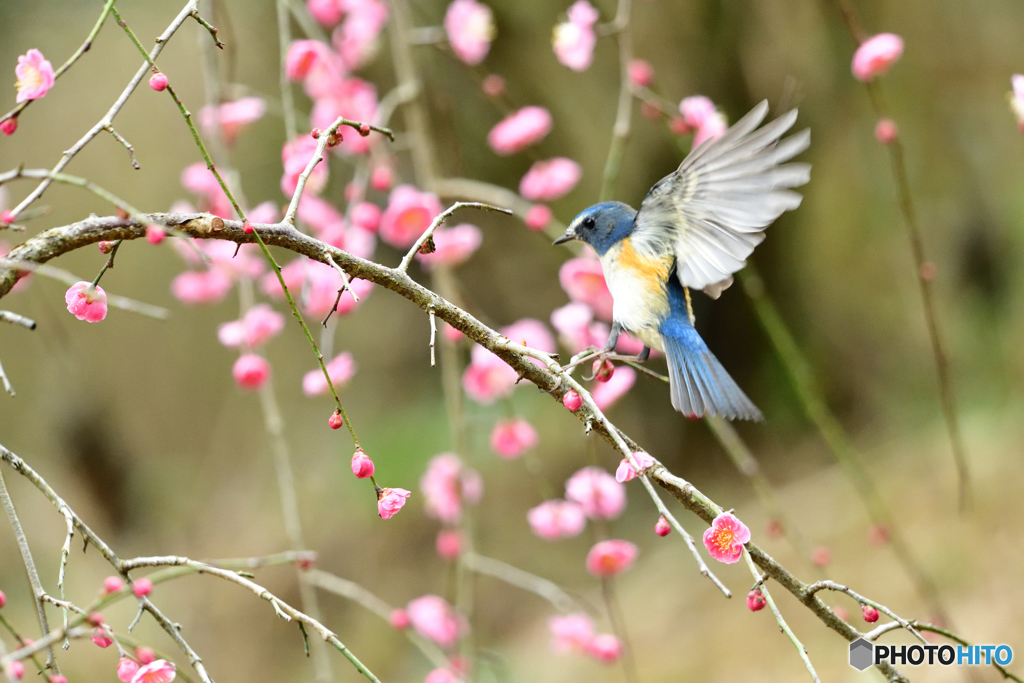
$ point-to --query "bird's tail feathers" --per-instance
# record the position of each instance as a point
(700, 385)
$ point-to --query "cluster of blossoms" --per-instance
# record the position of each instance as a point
(574, 633)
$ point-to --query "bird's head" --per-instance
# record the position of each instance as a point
(601, 225)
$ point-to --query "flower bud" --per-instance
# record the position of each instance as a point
(755, 600)
(112, 584)
(362, 466)
(870, 613)
(662, 527)
(335, 421)
(9, 125)
(572, 400)
(158, 81)
(142, 587)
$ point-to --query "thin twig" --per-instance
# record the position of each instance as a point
(8, 387)
(127, 145)
(433, 335)
(65, 551)
(514, 576)
(205, 24)
(16, 319)
(436, 223)
(833, 586)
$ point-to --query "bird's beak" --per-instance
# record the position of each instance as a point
(567, 237)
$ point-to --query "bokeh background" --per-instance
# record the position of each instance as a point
(137, 423)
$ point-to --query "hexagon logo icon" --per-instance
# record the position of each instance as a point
(862, 654)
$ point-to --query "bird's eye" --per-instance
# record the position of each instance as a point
(588, 223)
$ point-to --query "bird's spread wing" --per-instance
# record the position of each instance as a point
(712, 211)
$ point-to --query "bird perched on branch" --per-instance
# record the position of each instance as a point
(694, 229)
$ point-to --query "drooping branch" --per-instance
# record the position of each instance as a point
(57, 241)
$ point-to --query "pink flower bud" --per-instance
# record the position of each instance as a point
(94, 618)
(572, 400)
(3, 599)
(158, 81)
(315, 133)
(612, 557)
(449, 544)
(662, 527)
(105, 247)
(362, 466)
(112, 584)
(58, 679)
(626, 472)
(390, 501)
(247, 228)
(441, 675)
(142, 587)
(100, 637)
(886, 131)
(126, 669)
(145, 655)
(9, 125)
(641, 72)
(755, 600)
(773, 529)
(870, 613)
(878, 534)
(336, 422)
(155, 234)
(86, 302)
(603, 370)
(251, 371)
(875, 56)
(6, 217)
(366, 216)
(928, 271)
(399, 619)
(538, 217)
(519, 130)
(605, 648)
(511, 438)
(305, 560)
(821, 556)
(382, 178)
(650, 110)
(493, 85)
(16, 669)
(364, 130)
(679, 126)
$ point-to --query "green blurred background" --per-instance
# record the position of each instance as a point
(138, 424)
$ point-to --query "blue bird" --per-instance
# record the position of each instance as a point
(694, 229)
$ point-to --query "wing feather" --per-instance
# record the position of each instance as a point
(712, 211)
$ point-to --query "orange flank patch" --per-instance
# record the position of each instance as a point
(653, 272)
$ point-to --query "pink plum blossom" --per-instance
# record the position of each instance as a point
(319, 215)
(574, 39)
(876, 55)
(362, 466)
(446, 485)
(608, 558)
(86, 302)
(327, 12)
(258, 325)
(195, 288)
(309, 58)
(145, 655)
(605, 648)
(571, 632)
(605, 394)
(554, 519)
(356, 38)
(532, 333)
(519, 130)
(725, 537)
(538, 217)
(382, 177)
(155, 234)
(407, 216)
(251, 371)
(701, 116)
(35, 76)
(360, 242)
(597, 492)
(441, 676)
(511, 438)
(627, 472)
(158, 671)
(399, 619)
(319, 284)
(126, 669)
(390, 501)
(341, 369)
(549, 180)
(100, 638)
(641, 73)
(451, 334)
(365, 216)
(470, 28)
(295, 155)
(231, 117)
(573, 324)
(198, 179)
(435, 619)
(449, 544)
(452, 246)
(488, 378)
(583, 280)
(1017, 99)
(353, 98)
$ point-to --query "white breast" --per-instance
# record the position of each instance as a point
(637, 308)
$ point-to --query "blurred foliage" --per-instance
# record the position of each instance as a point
(138, 425)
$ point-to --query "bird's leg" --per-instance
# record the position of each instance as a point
(689, 306)
(613, 338)
(644, 354)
